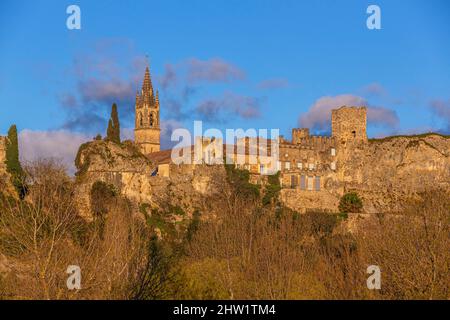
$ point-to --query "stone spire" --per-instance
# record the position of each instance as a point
(138, 104)
(147, 88)
(147, 84)
(147, 129)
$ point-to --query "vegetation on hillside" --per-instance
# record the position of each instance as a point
(118, 261)
(243, 249)
(239, 180)
(272, 189)
(350, 203)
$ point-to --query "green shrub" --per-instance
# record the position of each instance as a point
(101, 196)
(350, 203)
(239, 180)
(342, 216)
(272, 189)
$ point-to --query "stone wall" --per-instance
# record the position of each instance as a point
(348, 124)
(147, 139)
(320, 156)
(299, 133)
(384, 172)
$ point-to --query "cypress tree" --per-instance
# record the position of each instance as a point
(113, 131)
(115, 123)
(109, 131)
(12, 161)
(12, 152)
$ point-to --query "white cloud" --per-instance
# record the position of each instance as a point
(59, 144)
(441, 109)
(318, 117)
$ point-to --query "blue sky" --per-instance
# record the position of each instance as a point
(248, 64)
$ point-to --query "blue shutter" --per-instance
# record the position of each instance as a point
(317, 183)
(302, 183)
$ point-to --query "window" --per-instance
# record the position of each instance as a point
(302, 183)
(151, 119)
(278, 165)
(293, 181)
(310, 183)
(287, 165)
(333, 152)
(317, 183)
(299, 165)
(333, 166)
(354, 133)
(261, 169)
(311, 166)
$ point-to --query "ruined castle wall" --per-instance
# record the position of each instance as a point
(309, 201)
(317, 142)
(384, 172)
(298, 134)
(348, 124)
(318, 152)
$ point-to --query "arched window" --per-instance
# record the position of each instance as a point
(140, 119)
(151, 119)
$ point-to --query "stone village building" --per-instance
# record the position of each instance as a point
(306, 162)
(315, 171)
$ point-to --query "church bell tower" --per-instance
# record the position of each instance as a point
(147, 126)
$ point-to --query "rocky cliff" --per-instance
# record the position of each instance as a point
(386, 171)
(134, 175)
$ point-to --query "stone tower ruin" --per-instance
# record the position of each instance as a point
(298, 134)
(147, 125)
(348, 124)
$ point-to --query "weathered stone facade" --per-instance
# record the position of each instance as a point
(348, 124)
(315, 170)
(147, 125)
(136, 177)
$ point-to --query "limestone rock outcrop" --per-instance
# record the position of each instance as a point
(386, 171)
(134, 175)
